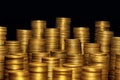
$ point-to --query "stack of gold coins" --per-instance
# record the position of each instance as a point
(91, 73)
(37, 57)
(38, 27)
(23, 36)
(117, 75)
(101, 60)
(13, 62)
(72, 46)
(75, 59)
(104, 39)
(115, 49)
(76, 70)
(52, 36)
(101, 26)
(62, 55)
(62, 73)
(83, 34)
(63, 24)
(51, 62)
(38, 71)
(19, 75)
(36, 45)
(3, 33)
(90, 48)
(12, 47)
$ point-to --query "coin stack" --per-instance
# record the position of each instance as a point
(37, 57)
(117, 75)
(104, 39)
(101, 26)
(38, 71)
(19, 75)
(76, 70)
(75, 59)
(36, 45)
(23, 36)
(51, 62)
(62, 73)
(90, 48)
(13, 62)
(52, 36)
(12, 47)
(101, 60)
(83, 34)
(63, 24)
(72, 46)
(62, 55)
(91, 73)
(2, 60)
(115, 49)
(38, 28)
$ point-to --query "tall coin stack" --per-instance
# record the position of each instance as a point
(101, 26)
(91, 73)
(51, 62)
(72, 46)
(13, 47)
(36, 45)
(23, 36)
(38, 27)
(62, 73)
(52, 36)
(63, 24)
(38, 71)
(101, 60)
(76, 70)
(3, 33)
(83, 34)
(104, 39)
(62, 55)
(13, 62)
(19, 75)
(90, 48)
(117, 66)
(115, 49)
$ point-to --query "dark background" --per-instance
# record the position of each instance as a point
(18, 15)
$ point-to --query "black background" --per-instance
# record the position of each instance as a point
(18, 15)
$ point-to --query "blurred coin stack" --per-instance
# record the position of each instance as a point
(75, 59)
(37, 57)
(63, 24)
(101, 26)
(23, 37)
(90, 48)
(62, 73)
(101, 60)
(83, 34)
(2, 60)
(38, 28)
(91, 73)
(19, 75)
(38, 71)
(3, 33)
(52, 36)
(13, 62)
(104, 39)
(51, 62)
(62, 55)
(115, 49)
(13, 47)
(36, 45)
(72, 46)
(76, 70)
